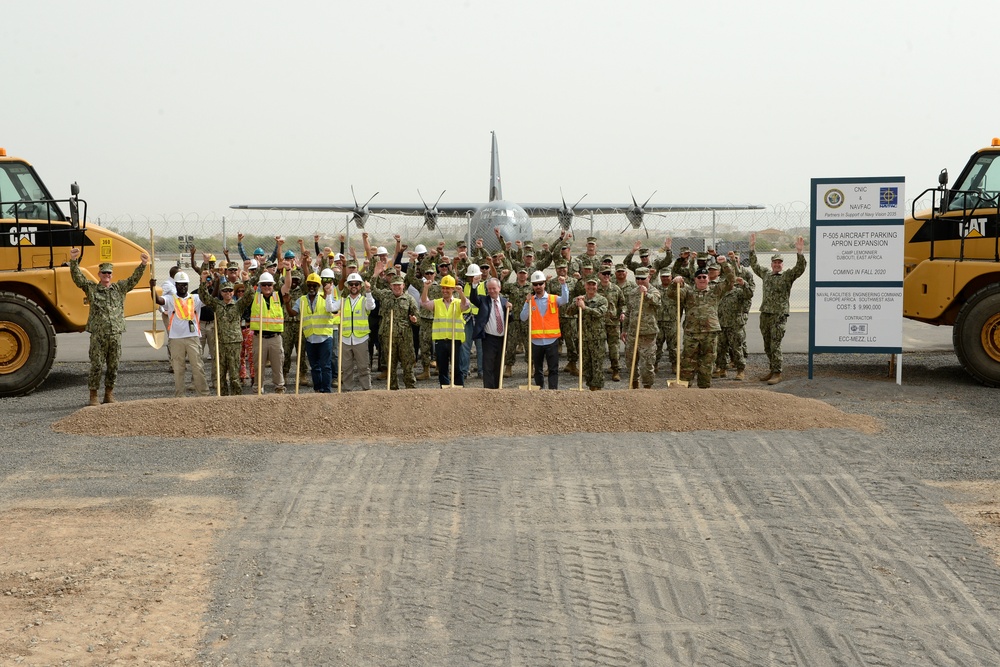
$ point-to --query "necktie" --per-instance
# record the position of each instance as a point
(496, 305)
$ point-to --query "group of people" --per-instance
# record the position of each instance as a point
(254, 313)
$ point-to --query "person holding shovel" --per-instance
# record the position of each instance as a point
(228, 314)
(642, 308)
(595, 311)
(449, 328)
(701, 321)
(106, 320)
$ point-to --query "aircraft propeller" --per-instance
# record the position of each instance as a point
(636, 213)
(360, 214)
(566, 214)
(431, 213)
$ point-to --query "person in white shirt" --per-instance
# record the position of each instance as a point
(183, 311)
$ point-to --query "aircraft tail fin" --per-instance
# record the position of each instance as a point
(496, 192)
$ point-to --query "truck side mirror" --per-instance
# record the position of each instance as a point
(943, 178)
(74, 189)
(74, 205)
(943, 186)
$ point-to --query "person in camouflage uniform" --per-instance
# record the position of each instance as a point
(517, 332)
(399, 309)
(105, 321)
(228, 314)
(685, 266)
(645, 330)
(733, 321)
(613, 320)
(733, 310)
(777, 285)
(595, 312)
(567, 324)
(667, 336)
(701, 322)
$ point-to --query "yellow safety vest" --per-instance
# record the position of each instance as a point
(336, 316)
(448, 322)
(316, 322)
(358, 324)
(480, 290)
(274, 316)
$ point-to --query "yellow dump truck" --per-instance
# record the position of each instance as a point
(952, 262)
(37, 296)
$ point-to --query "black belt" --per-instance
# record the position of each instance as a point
(268, 334)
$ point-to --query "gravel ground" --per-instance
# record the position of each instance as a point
(697, 548)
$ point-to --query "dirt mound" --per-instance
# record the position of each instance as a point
(406, 416)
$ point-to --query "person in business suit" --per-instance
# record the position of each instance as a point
(489, 325)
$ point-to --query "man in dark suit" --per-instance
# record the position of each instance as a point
(490, 323)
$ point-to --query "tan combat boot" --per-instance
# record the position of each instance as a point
(766, 377)
(93, 397)
(616, 375)
(571, 368)
(426, 375)
(740, 375)
(109, 394)
(508, 372)
(720, 373)
(774, 379)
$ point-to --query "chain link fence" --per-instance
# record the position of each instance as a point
(776, 227)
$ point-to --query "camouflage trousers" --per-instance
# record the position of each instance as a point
(613, 339)
(426, 340)
(517, 334)
(646, 354)
(772, 330)
(592, 360)
(732, 346)
(402, 354)
(105, 352)
(229, 369)
(698, 357)
(568, 329)
(289, 342)
(667, 337)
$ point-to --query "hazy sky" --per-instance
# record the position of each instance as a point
(182, 106)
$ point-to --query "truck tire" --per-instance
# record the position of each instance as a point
(27, 345)
(976, 335)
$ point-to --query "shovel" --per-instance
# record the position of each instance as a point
(154, 338)
(678, 382)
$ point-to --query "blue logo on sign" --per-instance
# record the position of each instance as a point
(887, 197)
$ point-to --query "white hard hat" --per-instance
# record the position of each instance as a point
(473, 271)
(181, 277)
(538, 277)
(338, 257)
(355, 278)
(420, 249)
(253, 263)
(265, 278)
(327, 273)
(381, 250)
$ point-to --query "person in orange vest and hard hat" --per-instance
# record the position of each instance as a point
(544, 331)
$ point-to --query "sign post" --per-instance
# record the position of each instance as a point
(856, 305)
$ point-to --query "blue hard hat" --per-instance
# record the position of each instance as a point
(289, 254)
(258, 251)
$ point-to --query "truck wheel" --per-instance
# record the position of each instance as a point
(976, 335)
(27, 345)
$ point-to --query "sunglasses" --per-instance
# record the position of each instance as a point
(105, 273)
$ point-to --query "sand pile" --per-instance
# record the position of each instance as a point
(408, 416)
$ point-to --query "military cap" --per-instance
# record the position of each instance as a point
(703, 256)
(664, 272)
(561, 263)
(701, 272)
(461, 244)
(607, 259)
(777, 258)
(620, 267)
(641, 272)
(591, 239)
(643, 252)
(528, 250)
(444, 261)
(105, 266)
(585, 263)
(390, 271)
(231, 266)
(523, 269)
(351, 265)
(685, 249)
(430, 269)
(607, 270)
(711, 264)
(227, 287)
(593, 279)
(398, 280)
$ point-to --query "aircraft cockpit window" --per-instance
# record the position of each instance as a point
(981, 186)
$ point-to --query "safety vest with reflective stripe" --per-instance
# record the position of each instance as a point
(448, 322)
(336, 316)
(356, 323)
(315, 321)
(545, 325)
(273, 316)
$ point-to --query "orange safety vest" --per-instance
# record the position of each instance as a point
(545, 325)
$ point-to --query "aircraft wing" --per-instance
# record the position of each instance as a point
(387, 209)
(541, 210)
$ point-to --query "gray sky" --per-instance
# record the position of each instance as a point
(187, 107)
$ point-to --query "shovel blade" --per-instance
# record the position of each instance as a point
(677, 384)
(155, 338)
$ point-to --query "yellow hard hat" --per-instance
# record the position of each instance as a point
(448, 281)
(211, 258)
(314, 278)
